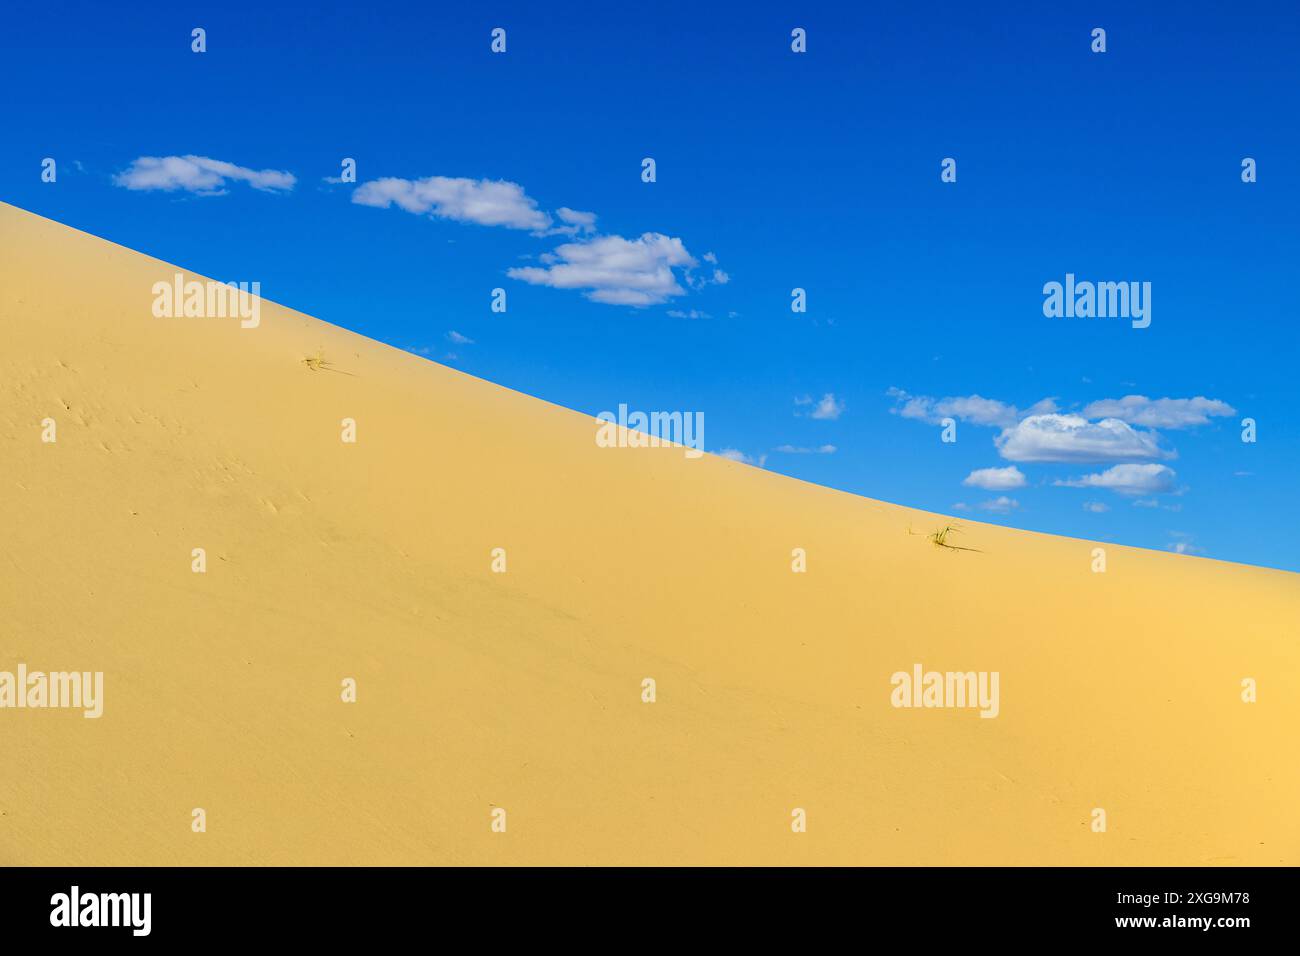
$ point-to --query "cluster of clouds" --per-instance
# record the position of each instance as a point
(974, 409)
(1121, 433)
(826, 408)
(649, 269)
(735, 454)
(653, 268)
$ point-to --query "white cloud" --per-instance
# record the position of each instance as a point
(827, 409)
(801, 450)
(1001, 505)
(1096, 507)
(575, 222)
(735, 454)
(486, 202)
(688, 314)
(454, 336)
(1159, 412)
(1128, 480)
(1153, 503)
(974, 409)
(609, 269)
(614, 270)
(198, 174)
(1183, 544)
(699, 282)
(996, 479)
(1074, 438)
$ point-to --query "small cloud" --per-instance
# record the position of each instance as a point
(996, 479)
(1127, 480)
(614, 270)
(575, 222)
(961, 506)
(699, 282)
(458, 339)
(827, 409)
(735, 454)
(800, 450)
(974, 409)
(485, 202)
(688, 314)
(1182, 544)
(200, 175)
(1096, 507)
(1161, 412)
(1001, 505)
(1153, 503)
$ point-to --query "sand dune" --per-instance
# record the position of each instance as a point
(522, 690)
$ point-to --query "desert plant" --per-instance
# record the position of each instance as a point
(317, 361)
(939, 538)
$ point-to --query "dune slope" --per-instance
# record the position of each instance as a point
(522, 690)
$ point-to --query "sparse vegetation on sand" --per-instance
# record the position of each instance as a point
(316, 362)
(939, 538)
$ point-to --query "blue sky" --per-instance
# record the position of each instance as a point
(818, 170)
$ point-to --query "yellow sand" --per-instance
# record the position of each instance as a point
(326, 560)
